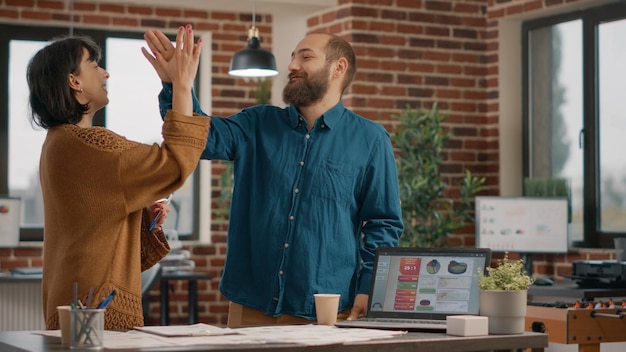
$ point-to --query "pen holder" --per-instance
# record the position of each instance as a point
(87, 328)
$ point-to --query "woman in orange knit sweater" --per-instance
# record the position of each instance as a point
(98, 187)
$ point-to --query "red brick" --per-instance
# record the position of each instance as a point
(139, 10)
(84, 6)
(171, 12)
(24, 3)
(112, 8)
(8, 13)
(33, 15)
(129, 22)
(47, 4)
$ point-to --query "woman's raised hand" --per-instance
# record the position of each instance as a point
(159, 44)
(181, 65)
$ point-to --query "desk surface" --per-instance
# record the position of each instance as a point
(185, 275)
(165, 275)
(8, 277)
(413, 341)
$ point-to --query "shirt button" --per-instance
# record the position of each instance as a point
(302, 163)
(275, 299)
(286, 245)
(291, 217)
(280, 272)
(323, 126)
(297, 190)
(308, 136)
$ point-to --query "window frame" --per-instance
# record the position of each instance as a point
(591, 18)
(45, 33)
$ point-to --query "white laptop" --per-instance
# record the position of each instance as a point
(417, 288)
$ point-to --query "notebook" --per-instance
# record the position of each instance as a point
(415, 289)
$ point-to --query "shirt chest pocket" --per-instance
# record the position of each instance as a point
(333, 180)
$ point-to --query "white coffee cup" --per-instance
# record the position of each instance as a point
(326, 307)
(64, 323)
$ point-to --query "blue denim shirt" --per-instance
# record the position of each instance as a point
(309, 208)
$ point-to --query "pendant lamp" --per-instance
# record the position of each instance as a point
(253, 61)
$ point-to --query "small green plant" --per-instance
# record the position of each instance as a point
(508, 275)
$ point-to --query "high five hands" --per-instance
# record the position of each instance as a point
(161, 46)
(176, 64)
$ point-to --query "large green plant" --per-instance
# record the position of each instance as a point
(429, 216)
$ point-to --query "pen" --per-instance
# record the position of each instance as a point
(75, 293)
(90, 297)
(158, 216)
(105, 302)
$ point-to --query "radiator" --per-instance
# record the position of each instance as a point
(20, 305)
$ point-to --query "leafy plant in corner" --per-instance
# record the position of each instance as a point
(429, 216)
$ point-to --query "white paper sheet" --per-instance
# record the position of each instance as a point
(198, 334)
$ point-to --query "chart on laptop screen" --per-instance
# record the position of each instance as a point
(426, 284)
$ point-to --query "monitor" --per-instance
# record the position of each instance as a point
(522, 224)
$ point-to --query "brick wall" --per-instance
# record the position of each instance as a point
(410, 52)
(417, 52)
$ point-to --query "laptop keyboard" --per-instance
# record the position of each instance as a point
(406, 321)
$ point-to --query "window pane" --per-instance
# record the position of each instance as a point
(133, 111)
(24, 140)
(556, 111)
(612, 73)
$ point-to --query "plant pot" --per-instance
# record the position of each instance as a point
(506, 310)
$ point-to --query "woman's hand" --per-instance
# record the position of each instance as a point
(161, 44)
(156, 208)
(183, 65)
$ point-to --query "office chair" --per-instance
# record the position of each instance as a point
(148, 279)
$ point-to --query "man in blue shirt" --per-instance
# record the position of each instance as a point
(315, 190)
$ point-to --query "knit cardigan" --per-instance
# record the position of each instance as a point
(96, 185)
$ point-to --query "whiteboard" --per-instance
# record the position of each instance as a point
(522, 224)
(10, 210)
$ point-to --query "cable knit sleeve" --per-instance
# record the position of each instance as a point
(152, 172)
(154, 245)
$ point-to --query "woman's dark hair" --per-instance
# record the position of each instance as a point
(51, 99)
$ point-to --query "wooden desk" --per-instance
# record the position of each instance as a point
(411, 342)
(192, 278)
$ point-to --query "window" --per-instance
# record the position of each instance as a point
(132, 112)
(572, 88)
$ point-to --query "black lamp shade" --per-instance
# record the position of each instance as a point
(253, 61)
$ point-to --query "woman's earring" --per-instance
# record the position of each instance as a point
(81, 90)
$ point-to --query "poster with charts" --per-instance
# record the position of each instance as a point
(522, 224)
(10, 210)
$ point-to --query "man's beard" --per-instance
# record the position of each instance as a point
(307, 90)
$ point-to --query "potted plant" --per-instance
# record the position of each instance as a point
(430, 211)
(503, 295)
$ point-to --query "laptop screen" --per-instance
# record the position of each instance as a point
(426, 283)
